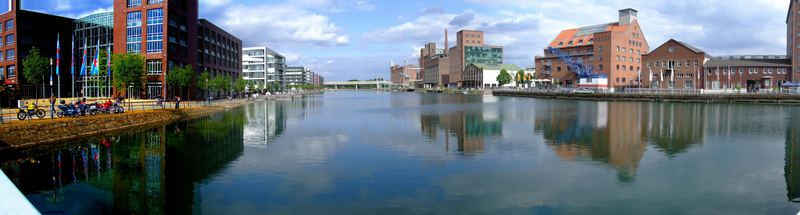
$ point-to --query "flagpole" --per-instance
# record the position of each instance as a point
(72, 65)
(58, 59)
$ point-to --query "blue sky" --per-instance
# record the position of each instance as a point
(356, 39)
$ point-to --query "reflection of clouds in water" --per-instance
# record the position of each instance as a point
(292, 169)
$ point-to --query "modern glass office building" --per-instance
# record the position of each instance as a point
(94, 32)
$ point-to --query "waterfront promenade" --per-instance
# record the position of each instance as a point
(747, 98)
(36, 132)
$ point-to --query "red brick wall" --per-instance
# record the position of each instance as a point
(680, 53)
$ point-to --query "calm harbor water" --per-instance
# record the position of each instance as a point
(409, 153)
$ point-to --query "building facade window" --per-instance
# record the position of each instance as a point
(9, 25)
(155, 30)
(10, 54)
(134, 3)
(134, 32)
(154, 1)
(12, 72)
(9, 39)
(154, 67)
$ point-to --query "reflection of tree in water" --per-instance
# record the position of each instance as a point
(674, 128)
(203, 149)
(792, 158)
(598, 131)
(151, 171)
(470, 127)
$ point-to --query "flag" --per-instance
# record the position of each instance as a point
(672, 74)
(108, 61)
(83, 63)
(58, 52)
(72, 57)
(96, 61)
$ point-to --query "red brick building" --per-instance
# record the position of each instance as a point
(613, 49)
(754, 73)
(678, 65)
(674, 65)
(793, 39)
(163, 31)
(408, 74)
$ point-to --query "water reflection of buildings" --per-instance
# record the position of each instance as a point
(617, 133)
(469, 127)
(267, 120)
(154, 171)
(792, 158)
(674, 128)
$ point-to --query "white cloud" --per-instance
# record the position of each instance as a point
(214, 3)
(281, 24)
(63, 5)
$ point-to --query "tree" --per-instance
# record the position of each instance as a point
(240, 85)
(519, 78)
(251, 87)
(218, 84)
(128, 70)
(204, 81)
(503, 78)
(35, 68)
(273, 87)
(180, 77)
(228, 84)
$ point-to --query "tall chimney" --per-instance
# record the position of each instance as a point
(446, 45)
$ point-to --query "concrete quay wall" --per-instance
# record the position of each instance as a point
(41, 132)
(777, 99)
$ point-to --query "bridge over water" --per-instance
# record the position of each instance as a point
(357, 85)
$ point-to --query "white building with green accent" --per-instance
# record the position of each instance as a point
(478, 75)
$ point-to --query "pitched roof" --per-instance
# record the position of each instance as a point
(585, 34)
(507, 67)
(747, 63)
(691, 47)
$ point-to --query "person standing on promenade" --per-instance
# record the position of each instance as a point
(177, 102)
(52, 105)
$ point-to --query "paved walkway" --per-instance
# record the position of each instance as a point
(10, 115)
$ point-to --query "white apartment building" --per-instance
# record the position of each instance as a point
(263, 65)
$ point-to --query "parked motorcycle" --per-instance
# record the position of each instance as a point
(67, 111)
(117, 108)
(93, 109)
(106, 107)
(24, 113)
